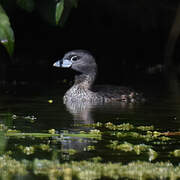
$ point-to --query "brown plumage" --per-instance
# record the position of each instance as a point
(83, 89)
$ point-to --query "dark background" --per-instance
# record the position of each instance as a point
(126, 37)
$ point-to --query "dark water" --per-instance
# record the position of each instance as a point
(162, 110)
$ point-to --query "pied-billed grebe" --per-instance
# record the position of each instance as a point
(83, 89)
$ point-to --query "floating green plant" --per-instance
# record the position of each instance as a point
(143, 142)
(138, 149)
(88, 170)
(36, 135)
(176, 153)
(28, 150)
(10, 168)
(90, 148)
(145, 128)
(45, 147)
(52, 131)
(85, 170)
(69, 151)
(92, 125)
(121, 127)
(149, 136)
(93, 134)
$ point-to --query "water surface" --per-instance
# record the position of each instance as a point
(160, 110)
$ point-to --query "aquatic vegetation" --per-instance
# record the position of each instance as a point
(93, 134)
(10, 168)
(89, 148)
(3, 127)
(28, 150)
(96, 159)
(121, 127)
(52, 131)
(143, 143)
(138, 149)
(36, 135)
(127, 130)
(86, 170)
(44, 147)
(92, 125)
(145, 128)
(89, 170)
(175, 153)
(70, 151)
(149, 136)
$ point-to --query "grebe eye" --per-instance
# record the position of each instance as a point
(74, 58)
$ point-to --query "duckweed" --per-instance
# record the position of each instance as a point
(138, 149)
(93, 134)
(176, 153)
(146, 128)
(127, 147)
(52, 131)
(44, 147)
(9, 168)
(96, 159)
(121, 138)
(71, 151)
(89, 148)
(121, 127)
(86, 170)
(28, 150)
(93, 125)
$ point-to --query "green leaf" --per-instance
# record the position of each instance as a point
(68, 5)
(6, 32)
(59, 11)
(55, 12)
(27, 5)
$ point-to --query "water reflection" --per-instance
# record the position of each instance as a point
(82, 111)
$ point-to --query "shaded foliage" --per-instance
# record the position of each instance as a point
(54, 12)
(6, 32)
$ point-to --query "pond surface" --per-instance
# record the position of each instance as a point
(121, 133)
